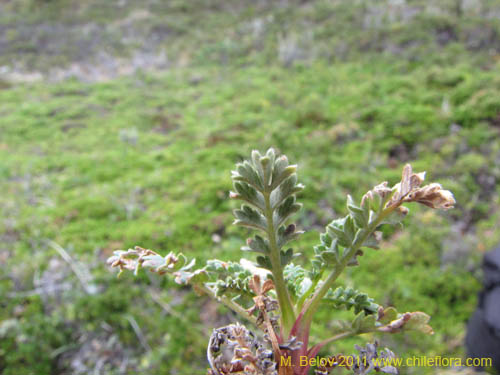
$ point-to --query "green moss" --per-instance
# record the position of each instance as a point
(103, 166)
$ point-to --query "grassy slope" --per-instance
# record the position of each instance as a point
(146, 160)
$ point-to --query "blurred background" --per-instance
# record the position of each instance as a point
(120, 121)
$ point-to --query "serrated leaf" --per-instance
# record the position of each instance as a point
(287, 188)
(245, 190)
(198, 276)
(349, 292)
(336, 229)
(285, 210)
(246, 172)
(315, 273)
(286, 257)
(359, 220)
(185, 276)
(373, 240)
(418, 322)
(304, 286)
(287, 234)
(329, 252)
(316, 263)
(249, 194)
(349, 228)
(359, 215)
(349, 298)
(357, 322)
(329, 257)
(271, 155)
(281, 171)
(297, 281)
(249, 217)
(354, 260)
(267, 166)
(338, 293)
(389, 314)
(255, 162)
(155, 261)
(256, 157)
(257, 244)
(376, 203)
(264, 262)
(215, 265)
(228, 278)
(368, 323)
(365, 206)
(183, 264)
(325, 239)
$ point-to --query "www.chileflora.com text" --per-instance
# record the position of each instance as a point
(421, 361)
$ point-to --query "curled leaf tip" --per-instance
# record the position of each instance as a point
(381, 190)
(433, 196)
(410, 190)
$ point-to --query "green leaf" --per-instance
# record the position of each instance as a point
(256, 159)
(330, 257)
(388, 315)
(350, 298)
(287, 256)
(266, 166)
(256, 163)
(317, 269)
(287, 188)
(296, 279)
(368, 324)
(264, 262)
(343, 230)
(285, 210)
(359, 214)
(350, 229)
(249, 217)
(418, 322)
(376, 203)
(358, 321)
(249, 194)
(287, 234)
(246, 172)
(228, 278)
(373, 240)
(196, 277)
(267, 163)
(257, 244)
(281, 171)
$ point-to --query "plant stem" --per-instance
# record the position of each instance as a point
(306, 295)
(313, 303)
(284, 300)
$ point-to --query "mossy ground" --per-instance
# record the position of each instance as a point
(145, 159)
